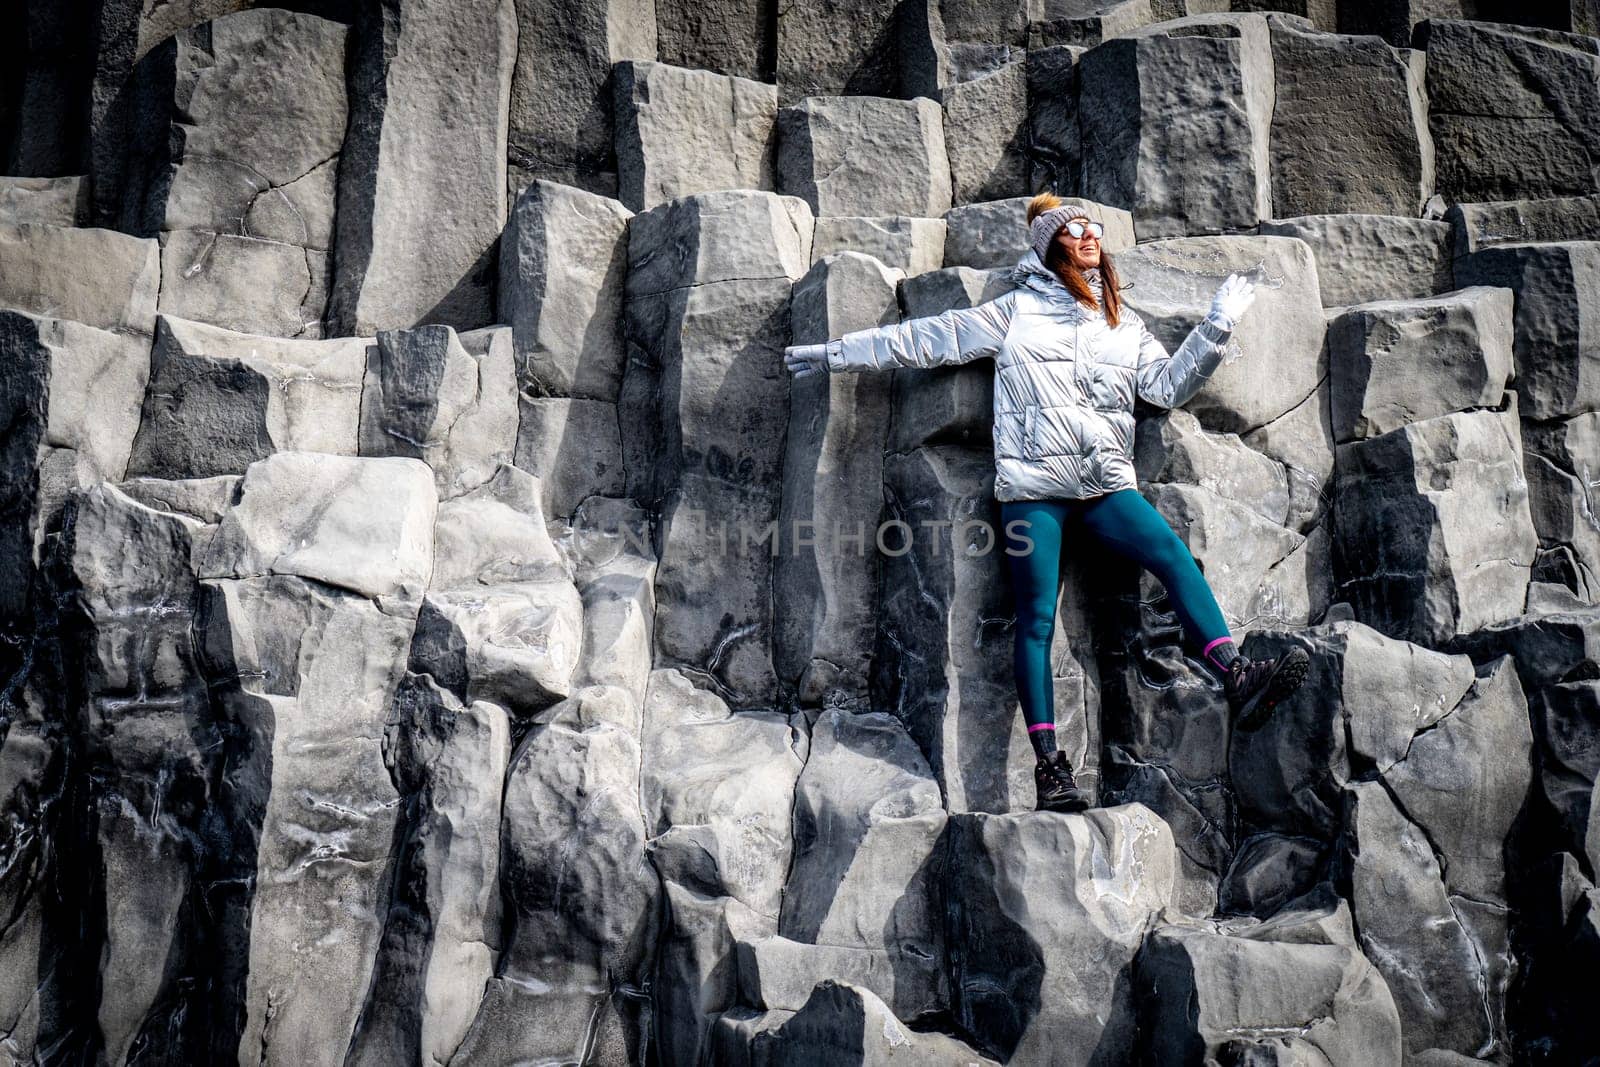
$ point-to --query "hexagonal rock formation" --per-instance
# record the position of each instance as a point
(832, 151)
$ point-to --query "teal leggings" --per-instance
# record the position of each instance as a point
(1127, 524)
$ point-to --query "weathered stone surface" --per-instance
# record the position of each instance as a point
(425, 396)
(1394, 20)
(1361, 258)
(1055, 148)
(1557, 290)
(1268, 871)
(1432, 532)
(422, 198)
(1302, 440)
(1562, 460)
(831, 152)
(563, 260)
(1490, 85)
(1349, 124)
(682, 131)
(1198, 89)
(99, 278)
(51, 201)
(243, 200)
(821, 54)
(450, 762)
(995, 234)
(583, 898)
(985, 134)
(825, 576)
(1398, 361)
(1172, 448)
(867, 867)
(219, 401)
(943, 42)
(901, 242)
(1202, 987)
(1279, 340)
(707, 320)
(1045, 914)
(494, 534)
(560, 111)
(1566, 218)
(844, 1023)
(1088, 22)
(361, 525)
(730, 38)
(574, 447)
(1365, 698)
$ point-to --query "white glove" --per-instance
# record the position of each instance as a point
(1232, 299)
(802, 360)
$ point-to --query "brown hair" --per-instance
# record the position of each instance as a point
(1059, 263)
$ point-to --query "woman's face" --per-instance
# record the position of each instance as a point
(1081, 251)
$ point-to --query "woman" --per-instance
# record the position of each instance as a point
(1069, 360)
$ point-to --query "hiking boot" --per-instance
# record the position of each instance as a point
(1052, 779)
(1255, 687)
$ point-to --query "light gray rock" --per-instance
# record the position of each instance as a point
(618, 627)
(1349, 124)
(945, 405)
(450, 762)
(1262, 574)
(1398, 361)
(831, 152)
(583, 898)
(1273, 360)
(1199, 89)
(305, 672)
(868, 850)
(425, 396)
(68, 394)
(360, 525)
(1302, 440)
(1045, 914)
(563, 262)
(243, 199)
(573, 446)
(825, 588)
(683, 131)
(201, 499)
(560, 111)
(707, 321)
(219, 400)
(1088, 22)
(1565, 218)
(1557, 290)
(1364, 699)
(1361, 258)
(1055, 149)
(1205, 986)
(1432, 532)
(897, 241)
(494, 534)
(844, 1023)
(1410, 929)
(986, 134)
(1492, 84)
(99, 278)
(1172, 448)
(52, 201)
(995, 234)
(422, 199)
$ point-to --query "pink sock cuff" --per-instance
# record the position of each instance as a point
(1036, 727)
(1214, 644)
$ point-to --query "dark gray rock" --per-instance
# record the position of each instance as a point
(945, 405)
(831, 152)
(1349, 124)
(843, 1023)
(821, 54)
(901, 242)
(1055, 147)
(995, 234)
(986, 134)
(1479, 226)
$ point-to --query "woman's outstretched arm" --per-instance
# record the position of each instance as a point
(1169, 380)
(955, 336)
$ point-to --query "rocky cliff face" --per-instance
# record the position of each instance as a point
(434, 628)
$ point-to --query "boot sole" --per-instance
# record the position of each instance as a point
(1066, 807)
(1285, 679)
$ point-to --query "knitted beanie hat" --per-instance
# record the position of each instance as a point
(1045, 224)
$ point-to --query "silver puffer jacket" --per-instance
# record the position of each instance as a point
(1064, 381)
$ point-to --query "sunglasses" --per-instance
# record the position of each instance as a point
(1078, 228)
